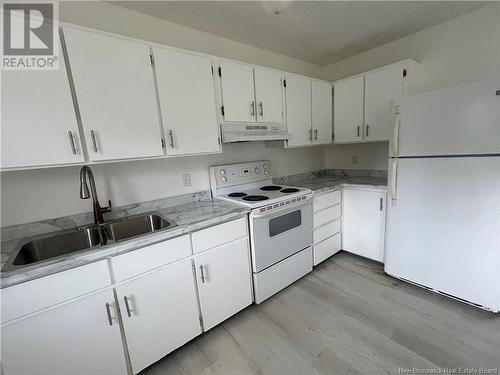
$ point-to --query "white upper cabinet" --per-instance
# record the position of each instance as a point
(321, 112)
(38, 119)
(363, 104)
(238, 96)
(381, 87)
(187, 101)
(269, 95)
(298, 110)
(115, 91)
(159, 312)
(348, 110)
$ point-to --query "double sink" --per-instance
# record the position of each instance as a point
(61, 243)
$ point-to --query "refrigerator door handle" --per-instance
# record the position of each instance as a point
(394, 181)
(395, 141)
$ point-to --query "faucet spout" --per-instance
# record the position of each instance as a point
(86, 173)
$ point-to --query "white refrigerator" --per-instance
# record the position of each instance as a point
(443, 215)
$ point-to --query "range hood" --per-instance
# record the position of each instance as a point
(246, 132)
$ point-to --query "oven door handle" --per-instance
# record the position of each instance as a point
(285, 209)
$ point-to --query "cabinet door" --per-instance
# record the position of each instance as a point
(348, 110)
(269, 95)
(224, 281)
(187, 101)
(298, 110)
(380, 88)
(116, 95)
(238, 96)
(364, 223)
(76, 338)
(160, 313)
(38, 119)
(322, 112)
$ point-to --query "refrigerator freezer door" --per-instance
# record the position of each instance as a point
(460, 120)
(444, 231)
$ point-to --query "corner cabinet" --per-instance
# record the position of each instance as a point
(363, 231)
(187, 101)
(363, 104)
(308, 111)
(250, 94)
(115, 92)
(39, 126)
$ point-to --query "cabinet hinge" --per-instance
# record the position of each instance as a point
(151, 59)
(222, 110)
(284, 83)
(162, 143)
(404, 72)
(220, 71)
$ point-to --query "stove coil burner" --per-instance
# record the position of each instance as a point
(237, 195)
(290, 190)
(254, 198)
(270, 188)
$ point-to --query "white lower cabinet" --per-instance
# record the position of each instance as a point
(159, 312)
(80, 337)
(364, 222)
(224, 281)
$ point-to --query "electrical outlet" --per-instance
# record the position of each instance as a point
(186, 178)
(355, 159)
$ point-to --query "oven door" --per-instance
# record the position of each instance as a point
(278, 234)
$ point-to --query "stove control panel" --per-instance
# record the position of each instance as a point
(235, 174)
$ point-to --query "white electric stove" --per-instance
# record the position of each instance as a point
(280, 223)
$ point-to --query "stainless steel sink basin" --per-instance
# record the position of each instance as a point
(54, 245)
(133, 226)
(57, 244)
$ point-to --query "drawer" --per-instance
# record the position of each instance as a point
(326, 200)
(150, 257)
(327, 230)
(220, 234)
(326, 215)
(326, 248)
(31, 296)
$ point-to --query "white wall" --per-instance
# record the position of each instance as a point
(463, 49)
(41, 194)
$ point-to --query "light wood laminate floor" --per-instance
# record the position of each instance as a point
(346, 317)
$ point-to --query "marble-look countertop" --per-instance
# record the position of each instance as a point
(189, 217)
(323, 181)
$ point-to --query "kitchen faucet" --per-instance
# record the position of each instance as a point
(85, 172)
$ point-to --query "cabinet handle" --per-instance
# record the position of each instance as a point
(127, 306)
(261, 106)
(310, 134)
(367, 129)
(252, 109)
(72, 142)
(315, 134)
(381, 204)
(202, 271)
(108, 311)
(171, 137)
(359, 131)
(94, 143)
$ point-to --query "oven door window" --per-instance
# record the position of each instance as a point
(284, 223)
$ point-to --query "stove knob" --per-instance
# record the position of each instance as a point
(222, 172)
(257, 170)
(223, 179)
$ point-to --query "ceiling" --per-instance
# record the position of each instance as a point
(320, 32)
